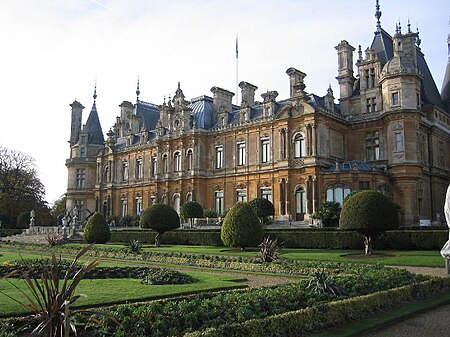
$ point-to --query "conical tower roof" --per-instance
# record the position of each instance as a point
(445, 91)
(93, 126)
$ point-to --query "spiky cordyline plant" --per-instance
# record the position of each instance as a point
(270, 249)
(50, 297)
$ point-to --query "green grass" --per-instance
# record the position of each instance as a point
(109, 291)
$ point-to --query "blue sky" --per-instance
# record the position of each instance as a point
(53, 51)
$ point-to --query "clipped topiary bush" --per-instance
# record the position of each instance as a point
(263, 208)
(190, 210)
(369, 213)
(161, 218)
(23, 220)
(241, 227)
(96, 230)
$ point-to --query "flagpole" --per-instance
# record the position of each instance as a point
(237, 72)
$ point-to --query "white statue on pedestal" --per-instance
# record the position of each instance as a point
(64, 227)
(445, 251)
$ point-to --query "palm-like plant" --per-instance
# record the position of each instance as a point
(50, 297)
(270, 249)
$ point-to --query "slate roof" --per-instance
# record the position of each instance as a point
(352, 165)
(94, 128)
(148, 113)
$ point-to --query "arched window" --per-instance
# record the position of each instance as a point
(165, 163)
(177, 161)
(190, 159)
(299, 146)
(164, 199)
(300, 203)
(338, 193)
(106, 174)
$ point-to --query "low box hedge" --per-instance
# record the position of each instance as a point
(4, 232)
(325, 238)
(326, 315)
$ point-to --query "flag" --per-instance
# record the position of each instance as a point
(237, 52)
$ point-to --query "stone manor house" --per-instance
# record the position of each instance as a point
(389, 130)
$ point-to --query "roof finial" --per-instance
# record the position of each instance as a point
(359, 53)
(378, 15)
(396, 28)
(418, 41)
(138, 92)
(95, 91)
(409, 26)
(178, 85)
(399, 27)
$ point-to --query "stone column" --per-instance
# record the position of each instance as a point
(308, 194)
(314, 192)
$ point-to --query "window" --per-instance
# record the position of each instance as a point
(338, 194)
(177, 161)
(125, 170)
(190, 160)
(154, 166)
(367, 76)
(395, 98)
(82, 151)
(266, 193)
(300, 201)
(372, 77)
(79, 211)
(241, 153)
(299, 146)
(363, 185)
(371, 104)
(139, 168)
(265, 150)
(372, 146)
(106, 174)
(81, 178)
(218, 197)
(138, 205)
(123, 207)
(165, 163)
(219, 157)
(398, 141)
(241, 195)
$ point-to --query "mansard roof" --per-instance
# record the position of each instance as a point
(203, 110)
(94, 128)
(352, 165)
(148, 113)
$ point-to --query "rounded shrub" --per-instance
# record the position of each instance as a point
(190, 210)
(369, 213)
(263, 208)
(241, 227)
(23, 220)
(161, 218)
(96, 230)
(6, 220)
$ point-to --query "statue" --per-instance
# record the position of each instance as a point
(64, 227)
(445, 251)
(32, 214)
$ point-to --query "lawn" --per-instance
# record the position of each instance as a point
(108, 291)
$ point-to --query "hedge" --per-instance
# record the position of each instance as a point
(300, 238)
(327, 315)
(4, 232)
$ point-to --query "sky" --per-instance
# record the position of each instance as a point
(54, 51)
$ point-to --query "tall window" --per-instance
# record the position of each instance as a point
(338, 193)
(154, 166)
(177, 161)
(218, 197)
(165, 163)
(82, 151)
(300, 200)
(219, 157)
(372, 146)
(106, 174)
(125, 171)
(266, 193)
(190, 160)
(241, 153)
(123, 207)
(299, 146)
(80, 209)
(138, 205)
(81, 178)
(398, 141)
(395, 98)
(265, 150)
(241, 195)
(139, 168)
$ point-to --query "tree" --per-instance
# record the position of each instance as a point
(369, 213)
(59, 206)
(190, 210)
(263, 208)
(96, 230)
(161, 218)
(20, 188)
(328, 213)
(241, 227)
